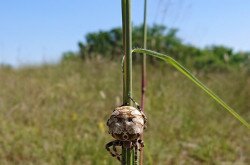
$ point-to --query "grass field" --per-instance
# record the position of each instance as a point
(56, 115)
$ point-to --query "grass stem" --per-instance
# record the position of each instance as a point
(127, 153)
(144, 73)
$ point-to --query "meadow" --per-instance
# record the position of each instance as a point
(56, 114)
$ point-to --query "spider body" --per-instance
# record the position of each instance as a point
(126, 124)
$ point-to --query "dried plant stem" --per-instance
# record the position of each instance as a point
(143, 82)
(144, 73)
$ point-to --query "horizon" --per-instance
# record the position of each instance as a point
(40, 32)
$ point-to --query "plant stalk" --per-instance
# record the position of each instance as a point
(144, 73)
(143, 82)
(123, 4)
(128, 53)
(127, 152)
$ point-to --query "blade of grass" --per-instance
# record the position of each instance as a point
(183, 70)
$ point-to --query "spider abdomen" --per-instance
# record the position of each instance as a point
(126, 123)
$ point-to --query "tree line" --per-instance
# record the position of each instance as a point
(108, 44)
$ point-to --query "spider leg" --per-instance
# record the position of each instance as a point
(136, 152)
(114, 153)
(141, 143)
(108, 145)
(117, 155)
(136, 104)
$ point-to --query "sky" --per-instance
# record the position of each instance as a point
(35, 32)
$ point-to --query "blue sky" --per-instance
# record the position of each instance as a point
(33, 32)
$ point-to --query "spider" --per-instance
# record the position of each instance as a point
(126, 125)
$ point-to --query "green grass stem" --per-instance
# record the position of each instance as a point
(124, 43)
(127, 77)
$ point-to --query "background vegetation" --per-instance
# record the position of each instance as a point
(56, 114)
(108, 44)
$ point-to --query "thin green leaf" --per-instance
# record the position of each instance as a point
(183, 70)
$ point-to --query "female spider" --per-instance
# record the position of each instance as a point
(126, 124)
